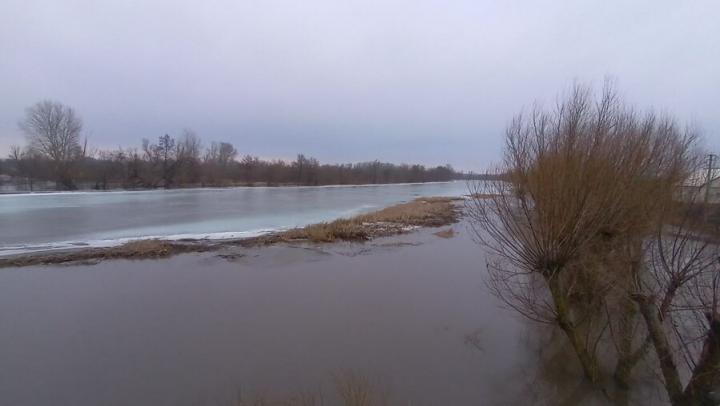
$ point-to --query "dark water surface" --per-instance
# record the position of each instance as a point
(195, 329)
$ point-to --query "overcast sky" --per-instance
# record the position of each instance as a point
(406, 81)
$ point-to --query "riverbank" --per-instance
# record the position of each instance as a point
(396, 219)
(6, 191)
(67, 221)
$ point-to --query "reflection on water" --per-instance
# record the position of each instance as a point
(551, 375)
(415, 320)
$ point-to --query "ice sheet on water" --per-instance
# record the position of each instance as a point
(57, 221)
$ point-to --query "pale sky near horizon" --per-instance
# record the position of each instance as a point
(432, 82)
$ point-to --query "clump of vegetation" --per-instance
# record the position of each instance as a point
(351, 387)
(421, 212)
(357, 390)
(448, 233)
(139, 249)
(341, 229)
(586, 236)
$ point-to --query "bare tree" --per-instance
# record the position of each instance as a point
(306, 170)
(585, 185)
(218, 159)
(679, 300)
(226, 153)
(27, 164)
(187, 153)
(53, 130)
(175, 162)
(163, 160)
(189, 146)
(249, 165)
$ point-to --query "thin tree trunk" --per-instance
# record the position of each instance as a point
(706, 374)
(628, 357)
(626, 362)
(587, 360)
(673, 385)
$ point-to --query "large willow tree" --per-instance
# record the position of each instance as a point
(580, 238)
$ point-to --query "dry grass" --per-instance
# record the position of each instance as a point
(341, 229)
(357, 390)
(352, 389)
(422, 212)
(449, 233)
(302, 399)
(140, 249)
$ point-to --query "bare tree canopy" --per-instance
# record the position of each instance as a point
(186, 161)
(583, 236)
(53, 130)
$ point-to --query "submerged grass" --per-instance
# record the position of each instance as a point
(448, 233)
(351, 389)
(398, 219)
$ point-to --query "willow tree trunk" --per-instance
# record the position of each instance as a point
(588, 360)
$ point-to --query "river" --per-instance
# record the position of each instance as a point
(410, 314)
(51, 221)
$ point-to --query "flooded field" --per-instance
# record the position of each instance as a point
(410, 313)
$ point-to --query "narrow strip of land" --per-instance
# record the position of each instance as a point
(397, 219)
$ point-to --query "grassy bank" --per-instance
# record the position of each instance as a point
(422, 212)
(398, 219)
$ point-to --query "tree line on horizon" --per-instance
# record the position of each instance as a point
(55, 152)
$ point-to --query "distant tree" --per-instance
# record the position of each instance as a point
(218, 160)
(227, 153)
(249, 165)
(104, 168)
(220, 153)
(162, 160)
(301, 164)
(134, 169)
(187, 154)
(26, 164)
(306, 170)
(53, 131)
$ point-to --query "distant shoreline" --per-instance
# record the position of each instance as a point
(257, 186)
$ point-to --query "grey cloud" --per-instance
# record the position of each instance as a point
(427, 81)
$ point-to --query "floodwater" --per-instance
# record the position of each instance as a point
(409, 313)
(40, 222)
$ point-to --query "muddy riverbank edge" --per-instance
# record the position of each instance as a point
(398, 219)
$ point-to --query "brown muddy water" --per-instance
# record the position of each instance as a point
(410, 313)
